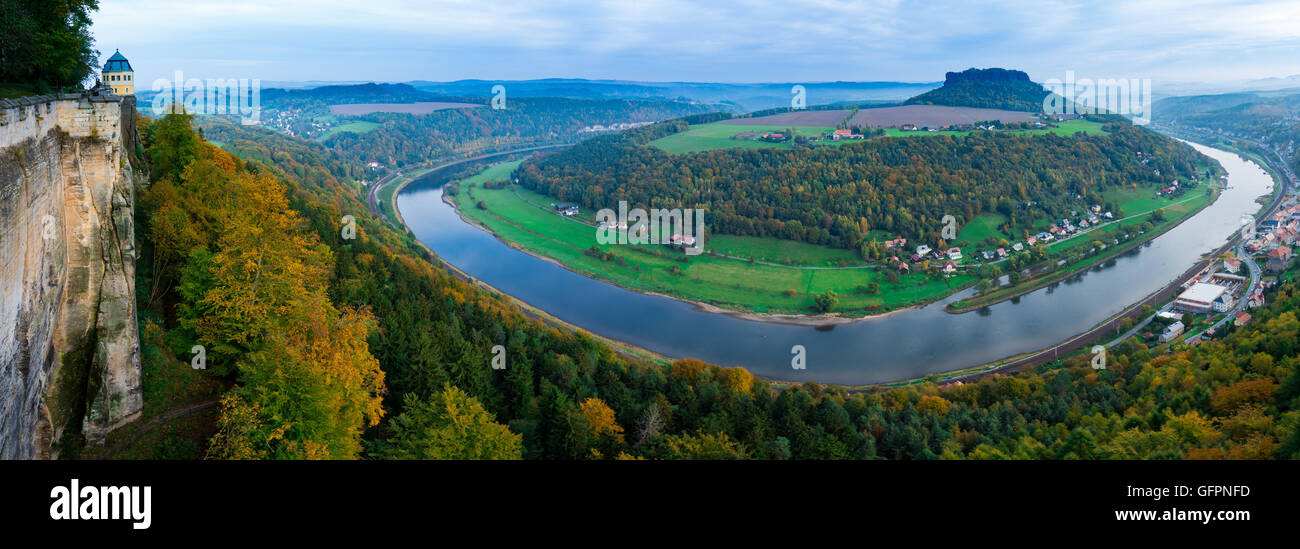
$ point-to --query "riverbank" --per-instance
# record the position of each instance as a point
(924, 343)
(760, 291)
(755, 290)
(1052, 277)
(389, 203)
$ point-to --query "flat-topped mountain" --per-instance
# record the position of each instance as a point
(988, 88)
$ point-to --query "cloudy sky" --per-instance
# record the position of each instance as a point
(704, 40)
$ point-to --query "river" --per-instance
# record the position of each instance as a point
(906, 344)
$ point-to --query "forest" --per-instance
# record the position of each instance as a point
(875, 190)
(329, 347)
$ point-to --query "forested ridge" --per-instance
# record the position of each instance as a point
(836, 196)
(301, 387)
(402, 139)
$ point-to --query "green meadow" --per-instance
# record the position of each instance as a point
(524, 219)
(763, 275)
(707, 137)
(360, 126)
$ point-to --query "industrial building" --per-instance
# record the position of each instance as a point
(1202, 297)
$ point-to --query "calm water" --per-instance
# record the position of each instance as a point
(906, 344)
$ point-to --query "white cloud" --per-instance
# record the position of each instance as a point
(741, 40)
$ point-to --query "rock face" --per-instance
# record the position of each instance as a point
(69, 350)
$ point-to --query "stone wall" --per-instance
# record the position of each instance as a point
(68, 344)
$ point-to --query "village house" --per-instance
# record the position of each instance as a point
(954, 254)
(895, 243)
(1232, 265)
(845, 134)
(1242, 317)
(1223, 303)
(949, 267)
(1171, 331)
(1278, 259)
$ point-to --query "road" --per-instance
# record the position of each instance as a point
(1255, 276)
(1288, 181)
(372, 195)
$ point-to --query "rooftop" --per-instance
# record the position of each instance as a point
(117, 63)
(1202, 293)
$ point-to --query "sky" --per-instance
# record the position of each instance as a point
(701, 41)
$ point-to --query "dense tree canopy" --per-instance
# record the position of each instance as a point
(986, 88)
(567, 396)
(46, 44)
(836, 196)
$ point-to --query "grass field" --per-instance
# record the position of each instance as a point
(707, 137)
(775, 250)
(360, 126)
(983, 226)
(1069, 127)
(523, 218)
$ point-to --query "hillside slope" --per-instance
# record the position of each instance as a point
(565, 395)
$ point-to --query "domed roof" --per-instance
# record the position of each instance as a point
(117, 63)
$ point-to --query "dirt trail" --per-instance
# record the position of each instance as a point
(154, 424)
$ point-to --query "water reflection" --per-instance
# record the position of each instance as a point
(904, 344)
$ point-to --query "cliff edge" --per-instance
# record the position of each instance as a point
(69, 351)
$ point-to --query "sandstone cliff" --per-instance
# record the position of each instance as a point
(69, 354)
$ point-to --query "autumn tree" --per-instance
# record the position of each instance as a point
(449, 425)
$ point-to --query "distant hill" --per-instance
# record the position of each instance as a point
(987, 88)
(353, 93)
(1272, 119)
(1173, 108)
(736, 97)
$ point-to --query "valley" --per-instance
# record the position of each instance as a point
(768, 270)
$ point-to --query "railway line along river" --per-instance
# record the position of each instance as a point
(906, 344)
